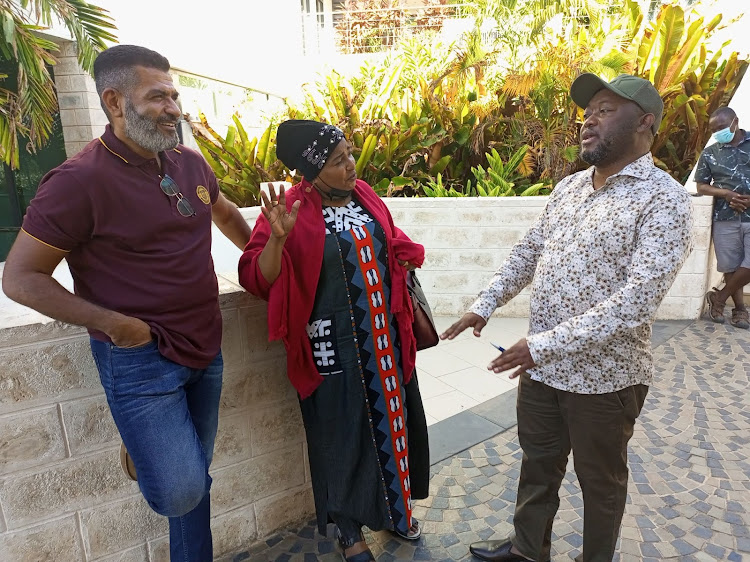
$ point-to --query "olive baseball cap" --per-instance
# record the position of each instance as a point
(633, 88)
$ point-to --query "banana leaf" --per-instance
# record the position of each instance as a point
(515, 160)
(230, 138)
(250, 152)
(366, 154)
(213, 162)
(532, 190)
(440, 165)
(670, 36)
(244, 139)
(262, 153)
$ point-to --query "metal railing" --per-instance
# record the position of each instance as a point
(380, 29)
(374, 30)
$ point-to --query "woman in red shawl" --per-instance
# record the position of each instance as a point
(332, 266)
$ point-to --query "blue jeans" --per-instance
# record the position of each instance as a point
(167, 415)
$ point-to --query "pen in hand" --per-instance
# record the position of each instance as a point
(502, 349)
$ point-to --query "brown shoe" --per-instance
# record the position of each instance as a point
(127, 463)
(740, 318)
(715, 309)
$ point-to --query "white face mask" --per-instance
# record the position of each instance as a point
(725, 135)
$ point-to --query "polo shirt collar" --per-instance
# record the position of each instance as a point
(119, 149)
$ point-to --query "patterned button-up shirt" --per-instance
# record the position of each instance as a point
(728, 167)
(601, 262)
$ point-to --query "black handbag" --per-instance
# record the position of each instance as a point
(423, 325)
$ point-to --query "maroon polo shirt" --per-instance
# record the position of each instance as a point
(129, 249)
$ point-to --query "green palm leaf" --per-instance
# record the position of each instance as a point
(28, 110)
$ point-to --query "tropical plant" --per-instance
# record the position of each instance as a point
(456, 119)
(670, 51)
(240, 163)
(655, 5)
(693, 83)
(27, 108)
(436, 188)
(499, 179)
(538, 107)
(393, 134)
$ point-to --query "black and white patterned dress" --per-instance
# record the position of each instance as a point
(356, 419)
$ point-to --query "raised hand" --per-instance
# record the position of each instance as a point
(274, 209)
(468, 320)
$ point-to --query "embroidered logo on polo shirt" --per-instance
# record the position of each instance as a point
(203, 194)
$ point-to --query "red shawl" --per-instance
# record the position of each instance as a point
(291, 297)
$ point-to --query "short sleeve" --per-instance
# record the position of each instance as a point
(703, 169)
(61, 214)
(213, 184)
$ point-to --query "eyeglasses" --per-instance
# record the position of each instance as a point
(170, 187)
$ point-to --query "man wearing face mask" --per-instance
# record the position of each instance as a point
(131, 213)
(723, 171)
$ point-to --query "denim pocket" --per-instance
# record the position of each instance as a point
(137, 348)
(143, 371)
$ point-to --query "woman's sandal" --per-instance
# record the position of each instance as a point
(364, 556)
(411, 535)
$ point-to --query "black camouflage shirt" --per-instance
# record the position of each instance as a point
(727, 167)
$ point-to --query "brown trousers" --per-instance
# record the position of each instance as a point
(597, 427)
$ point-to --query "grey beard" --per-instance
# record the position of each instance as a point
(145, 132)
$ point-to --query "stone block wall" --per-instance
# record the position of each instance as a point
(81, 114)
(63, 495)
(467, 240)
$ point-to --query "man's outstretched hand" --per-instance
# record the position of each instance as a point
(468, 320)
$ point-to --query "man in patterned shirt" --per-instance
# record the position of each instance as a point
(600, 259)
(723, 171)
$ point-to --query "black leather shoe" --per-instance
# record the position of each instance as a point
(495, 551)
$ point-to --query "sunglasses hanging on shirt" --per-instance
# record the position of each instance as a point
(170, 187)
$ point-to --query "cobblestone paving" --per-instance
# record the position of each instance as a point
(689, 494)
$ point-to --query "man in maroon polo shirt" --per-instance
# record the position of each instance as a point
(131, 213)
